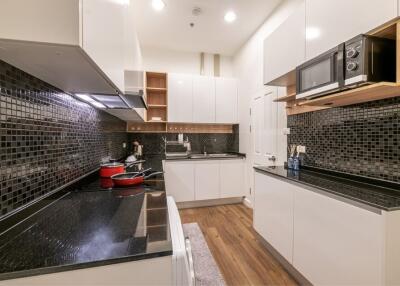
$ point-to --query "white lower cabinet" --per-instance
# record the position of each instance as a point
(204, 179)
(231, 174)
(335, 242)
(329, 241)
(273, 213)
(179, 180)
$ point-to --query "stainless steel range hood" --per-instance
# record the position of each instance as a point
(129, 106)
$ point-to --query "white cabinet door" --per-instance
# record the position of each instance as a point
(329, 23)
(264, 125)
(284, 49)
(203, 99)
(206, 180)
(179, 180)
(226, 100)
(180, 97)
(273, 213)
(103, 37)
(336, 243)
(232, 178)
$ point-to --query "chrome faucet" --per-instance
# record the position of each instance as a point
(204, 144)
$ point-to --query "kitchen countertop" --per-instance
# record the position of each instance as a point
(381, 195)
(88, 227)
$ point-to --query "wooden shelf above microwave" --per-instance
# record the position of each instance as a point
(376, 91)
(363, 94)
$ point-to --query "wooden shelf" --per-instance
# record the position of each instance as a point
(363, 94)
(156, 121)
(156, 89)
(286, 98)
(157, 106)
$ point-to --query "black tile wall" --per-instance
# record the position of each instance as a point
(361, 139)
(214, 143)
(48, 138)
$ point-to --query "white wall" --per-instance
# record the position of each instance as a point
(248, 68)
(162, 60)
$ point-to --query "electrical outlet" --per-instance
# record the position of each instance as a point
(124, 145)
(286, 131)
(301, 149)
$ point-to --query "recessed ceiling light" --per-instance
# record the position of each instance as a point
(230, 16)
(158, 5)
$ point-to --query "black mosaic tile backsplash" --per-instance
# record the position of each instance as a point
(48, 138)
(214, 143)
(361, 139)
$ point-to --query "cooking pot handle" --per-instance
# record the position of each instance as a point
(152, 175)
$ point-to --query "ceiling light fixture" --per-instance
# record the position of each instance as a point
(230, 16)
(158, 5)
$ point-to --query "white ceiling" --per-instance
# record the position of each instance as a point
(170, 28)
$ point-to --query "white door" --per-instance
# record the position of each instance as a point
(226, 100)
(329, 23)
(179, 180)
(336, 243)
(273, 213)
(284, 49)
(206, 180)
(203, 99)
(264, 126)
(103, 37)
(180, 97)
(232, 178)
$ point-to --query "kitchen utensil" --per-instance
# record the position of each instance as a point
(131, 179)
(109, 169)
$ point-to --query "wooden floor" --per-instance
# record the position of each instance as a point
(242, 259)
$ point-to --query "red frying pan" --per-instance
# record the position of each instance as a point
(131, 179)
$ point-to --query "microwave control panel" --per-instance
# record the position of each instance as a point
(353, 58)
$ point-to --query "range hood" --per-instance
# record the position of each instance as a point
(128, 106)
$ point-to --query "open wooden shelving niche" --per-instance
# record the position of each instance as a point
(157, 98)
(376, 91)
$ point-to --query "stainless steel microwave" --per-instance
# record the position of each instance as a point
(361, 60)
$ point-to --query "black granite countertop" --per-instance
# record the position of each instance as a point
(221, 156)
(89, 226)
(381, 195)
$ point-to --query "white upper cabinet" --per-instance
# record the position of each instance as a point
(203, 99)
(284, 49)
(75, 45)
(180, 97)
(329, 23)
(226, 98)
(103, 37)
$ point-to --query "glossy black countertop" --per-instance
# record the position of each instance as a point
(211, 156)
(89, 226)
(378, 194)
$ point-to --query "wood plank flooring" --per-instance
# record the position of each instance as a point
(241, 257)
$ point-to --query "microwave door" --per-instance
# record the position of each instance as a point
(321, 75)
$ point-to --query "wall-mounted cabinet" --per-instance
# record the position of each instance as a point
(329, 23)
(204, 99)
(75, 45)
(226, 100)
(201, 99)
(284, 49)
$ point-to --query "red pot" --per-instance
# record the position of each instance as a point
(110, 169)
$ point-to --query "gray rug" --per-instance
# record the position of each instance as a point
(205, 268)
